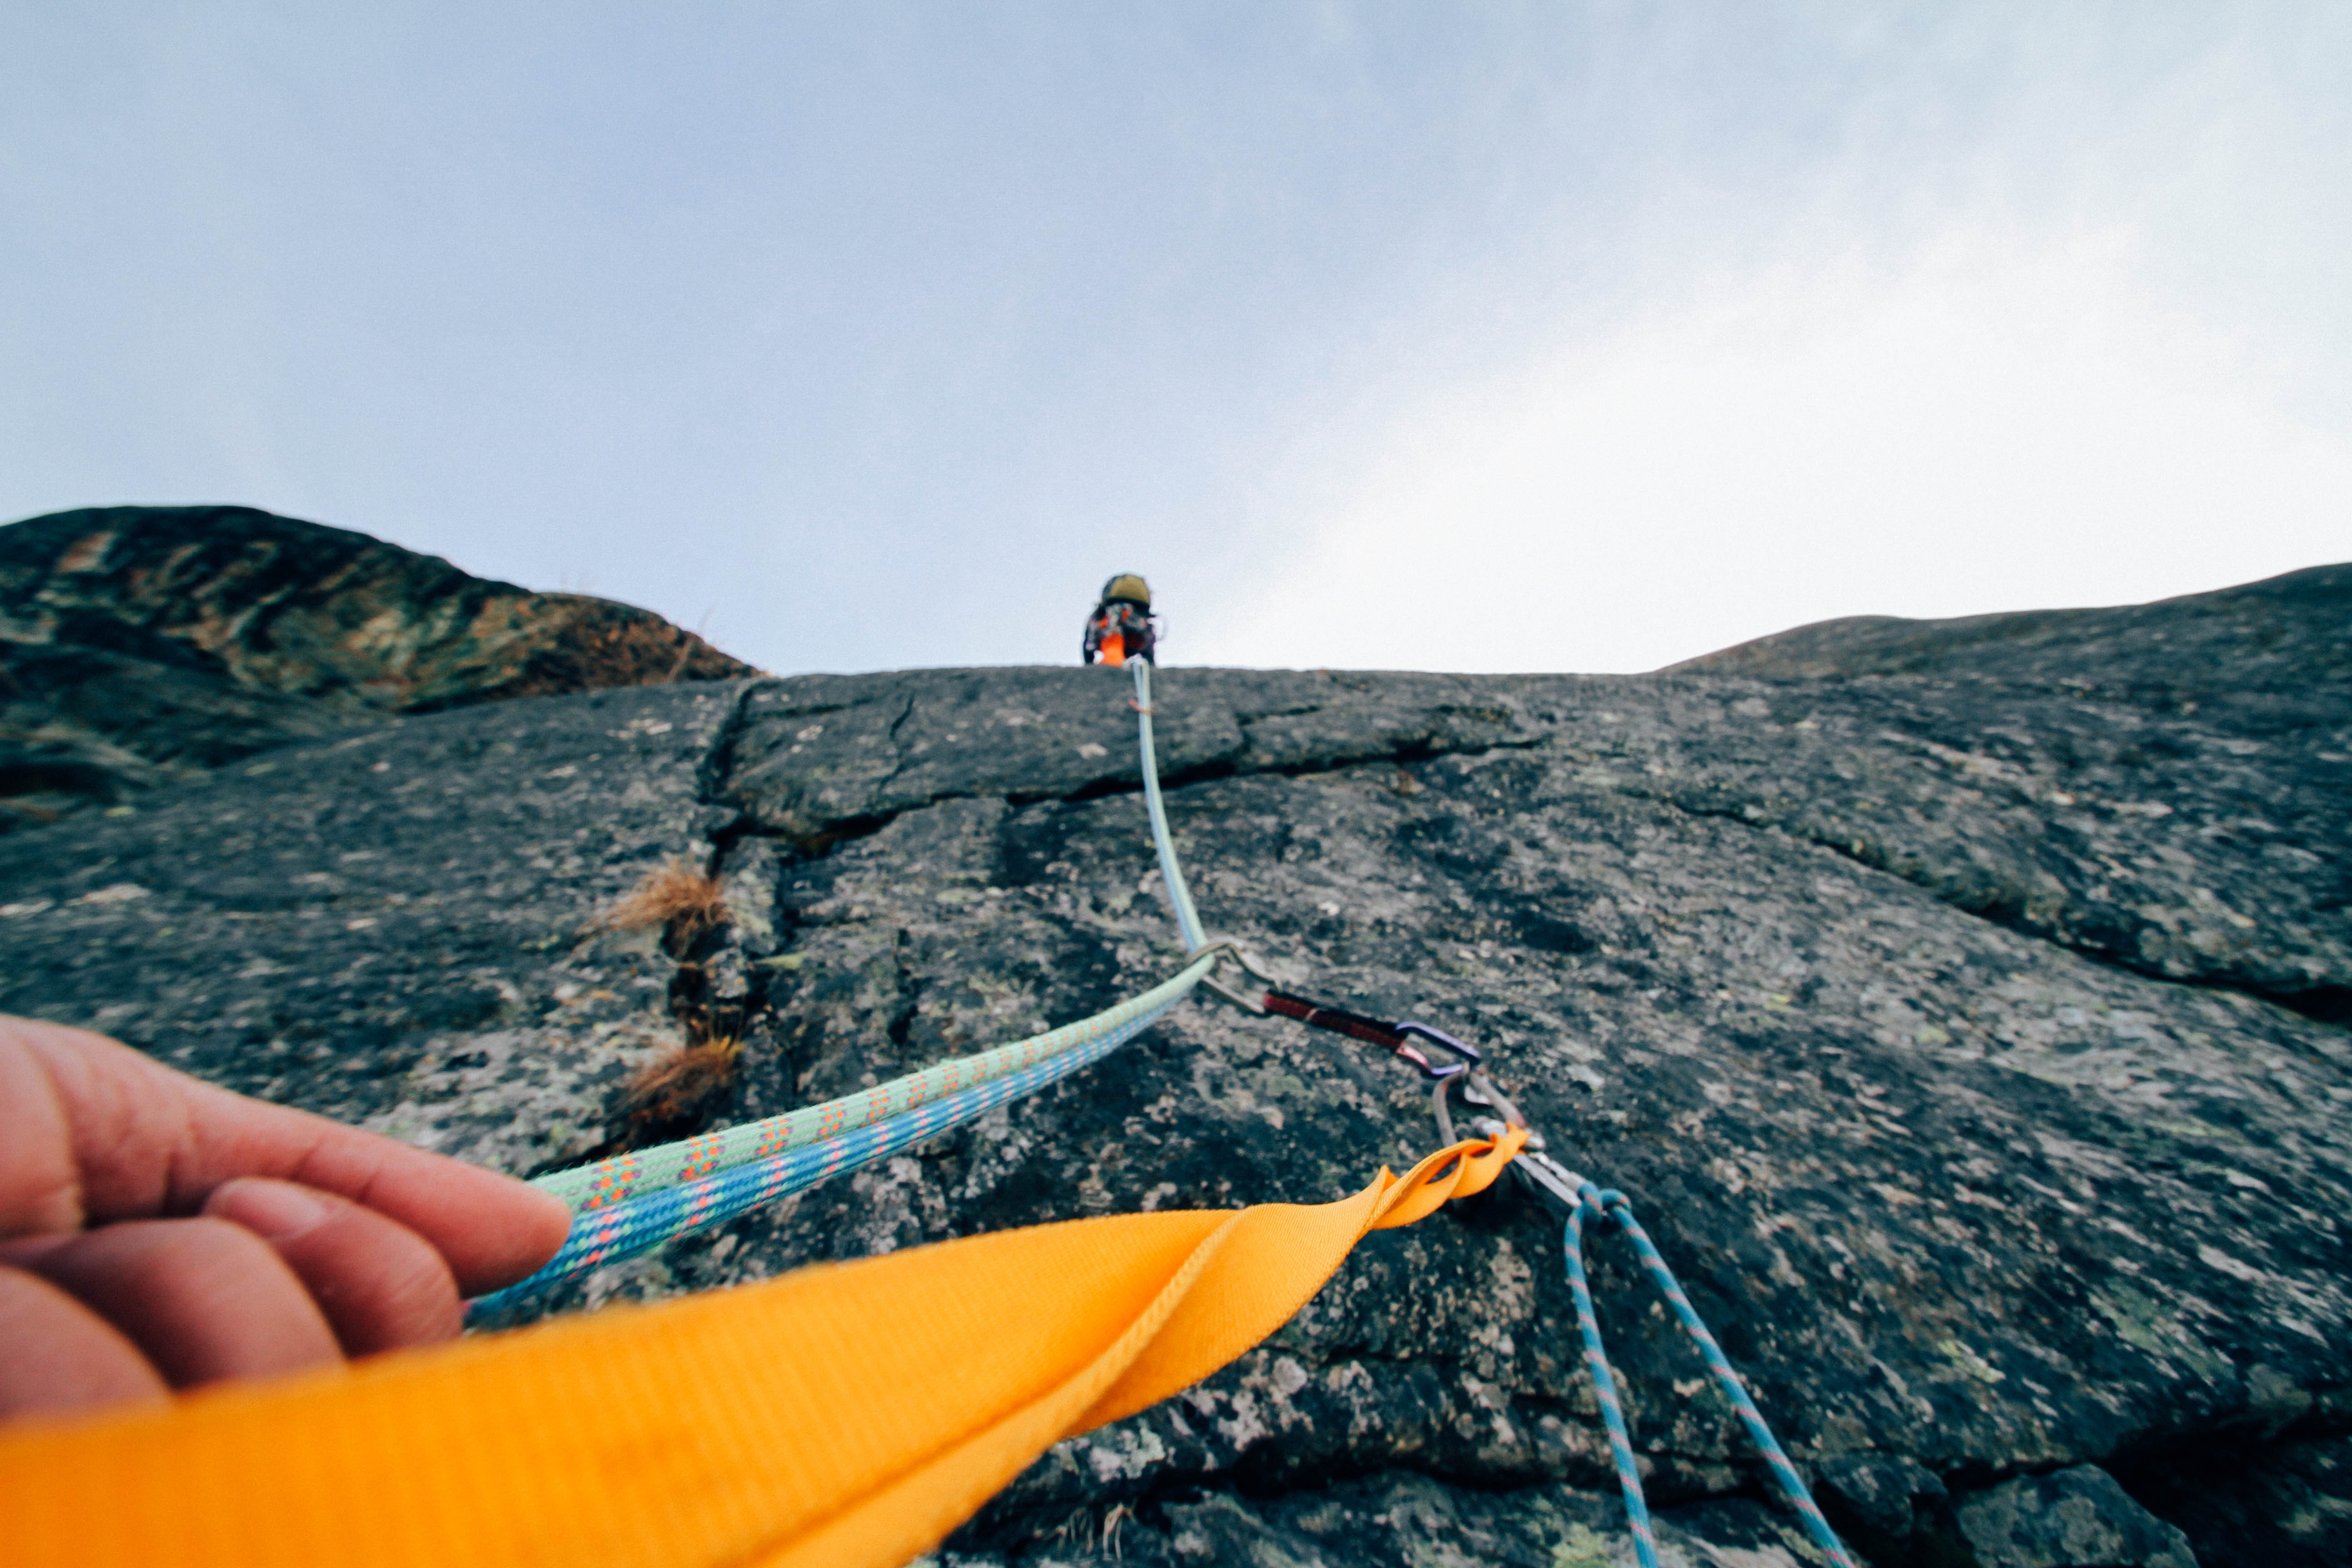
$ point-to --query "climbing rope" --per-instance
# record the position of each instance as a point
(1188, 920)
(1580, 1200)
(606, 1234)
(1613, 1414)
(609, 1182)
(1604, 1207)
(634, 1202)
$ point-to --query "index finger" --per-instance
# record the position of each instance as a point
(94, 1132)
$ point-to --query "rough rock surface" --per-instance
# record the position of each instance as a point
(2076, 1518)
(2268, 638)
(141, 644)
(1974, 1048)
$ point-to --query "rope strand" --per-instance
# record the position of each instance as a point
(1188, 920)
(624, 1230)
(1612, 1206)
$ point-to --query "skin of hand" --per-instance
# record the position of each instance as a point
(158, 1233)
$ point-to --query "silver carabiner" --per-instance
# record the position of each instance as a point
(1553, 1182)
(1250, 965)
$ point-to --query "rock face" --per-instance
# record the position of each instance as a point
(2070, 1519)
(2280, 637)
(144, 645)
(1971, 1038)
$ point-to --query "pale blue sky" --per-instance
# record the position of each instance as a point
(1572, 336)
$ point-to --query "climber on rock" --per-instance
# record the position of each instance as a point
(1121, 626)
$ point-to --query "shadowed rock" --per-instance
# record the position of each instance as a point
(2073, 1518)
(1972, 1047)
(143, 644)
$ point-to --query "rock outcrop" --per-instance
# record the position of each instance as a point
(2280, 637)
(1972, 1038)
(146, 645)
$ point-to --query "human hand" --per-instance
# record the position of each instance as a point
(159, 1233)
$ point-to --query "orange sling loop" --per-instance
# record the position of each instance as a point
(845, 1415)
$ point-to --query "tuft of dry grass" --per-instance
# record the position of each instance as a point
(684, 904)
(683, 901)
(676, 1082)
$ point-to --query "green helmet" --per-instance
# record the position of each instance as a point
(1127, 587)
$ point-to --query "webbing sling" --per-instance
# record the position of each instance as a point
(844, 1414)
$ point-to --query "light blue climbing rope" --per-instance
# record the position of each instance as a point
(1612, 1206)
(622, 1230)
(1188, 920)
(1612, 1416)
(641, 1171)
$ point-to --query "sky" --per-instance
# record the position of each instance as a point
(1584, 335)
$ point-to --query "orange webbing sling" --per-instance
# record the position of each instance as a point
(845, 1415)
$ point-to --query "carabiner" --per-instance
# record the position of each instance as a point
(1406, 1028)
(1396, 1038)
(1233, 950)
(1552, 1182)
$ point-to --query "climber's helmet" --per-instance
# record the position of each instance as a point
(1127, 588)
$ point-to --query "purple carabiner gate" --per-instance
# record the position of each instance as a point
(1467, 1053)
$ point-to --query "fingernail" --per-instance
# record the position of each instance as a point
(275, 1211)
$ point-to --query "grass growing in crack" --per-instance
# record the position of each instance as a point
(677, 1087)
(684, 902)
(677, 1083)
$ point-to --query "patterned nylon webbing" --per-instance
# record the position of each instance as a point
(609, 1182)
